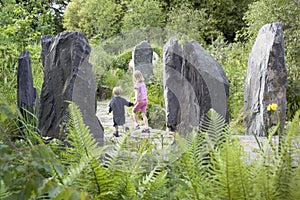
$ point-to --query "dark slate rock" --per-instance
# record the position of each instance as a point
(47, 40)
(172, 57)
(205, 85)
(266, 81)
(142, 58)
(68, 76)
(26, 94)
(199, 84)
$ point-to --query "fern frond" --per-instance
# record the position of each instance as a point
(293, 131)
(119, 154)
(79, 136)
(288, 160)
(4, 191)
(230, 174)
(151, 186)
(84, 169)
(193, 165)
(216, 128)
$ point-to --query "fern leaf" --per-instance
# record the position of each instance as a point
(231, 178)
(215, 127)
(151, 185)
(82, 157)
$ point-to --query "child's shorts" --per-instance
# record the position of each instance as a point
(140, 105)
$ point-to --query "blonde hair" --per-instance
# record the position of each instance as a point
(117, 91)
(137, 76)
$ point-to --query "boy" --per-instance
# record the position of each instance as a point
(116, 105)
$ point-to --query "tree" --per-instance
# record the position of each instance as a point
(58, 7)
(94, 18)
(143, 14)
(196, 24)
(25, 22)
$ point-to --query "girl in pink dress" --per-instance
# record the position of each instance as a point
(141, 100)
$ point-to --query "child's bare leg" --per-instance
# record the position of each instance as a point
(135, 118)
(116, 133)
(145, 119)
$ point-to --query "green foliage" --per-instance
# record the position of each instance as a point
(122, 61)
(209, 163)
(196, 24)
(22, 25)
(158, 50)
(156, 111)
(24, 22)
(142, 14)
(94, 18)
(293, 96)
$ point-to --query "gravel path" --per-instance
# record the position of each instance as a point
(247, 142)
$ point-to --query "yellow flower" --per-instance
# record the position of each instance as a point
(274, 106)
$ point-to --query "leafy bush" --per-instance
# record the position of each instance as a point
(293, 98)
(122, 61)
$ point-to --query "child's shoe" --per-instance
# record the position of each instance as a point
(137, 127)
(116, 134)
(146, 130)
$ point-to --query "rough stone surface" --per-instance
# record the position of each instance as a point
(172, 56)
(142, 59)
(201, 85)
(47, 40)
(68, 76)
(26, 94)
(266, 81)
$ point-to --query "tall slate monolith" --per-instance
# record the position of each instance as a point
(266, 81)
(142, 56)
(172, 57)
(27, 97)
(198, 85)
(68, 76)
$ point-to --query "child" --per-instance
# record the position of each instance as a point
(141, 100)
(116, 105)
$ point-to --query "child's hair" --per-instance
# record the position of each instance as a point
(117, 91)
(137, 76)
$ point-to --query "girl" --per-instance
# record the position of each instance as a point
(141, 100)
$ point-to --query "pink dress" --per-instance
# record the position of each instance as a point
(142, 100)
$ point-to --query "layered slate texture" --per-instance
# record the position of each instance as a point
(27, 97)
(194, 83)
(266, 81)
(68, 76)
(142, 56)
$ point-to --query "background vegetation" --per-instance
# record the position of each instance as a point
(34, 169)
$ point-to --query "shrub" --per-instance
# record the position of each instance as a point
(122, 61)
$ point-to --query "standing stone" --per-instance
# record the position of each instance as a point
(68, 76)
(26, 94)
(142, 59)
(266, 81)
(199, 84)
(205, 86)
(47, 40)
(172, 80)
